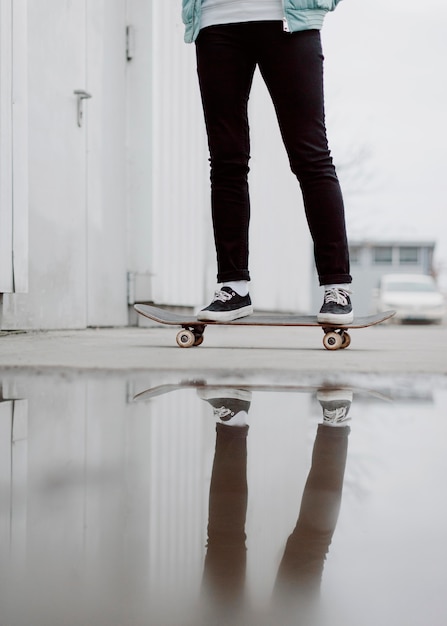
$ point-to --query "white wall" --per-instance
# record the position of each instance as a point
(167, 160)
(13, 147)
(180, 224)
(128, 191)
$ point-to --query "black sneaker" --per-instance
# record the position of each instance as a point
(337, 308)
(335, 404)
(226, 403)
(226, 306)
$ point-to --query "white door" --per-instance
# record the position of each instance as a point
(56, 46)
(76, 177)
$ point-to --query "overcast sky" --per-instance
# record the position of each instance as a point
(386, 88)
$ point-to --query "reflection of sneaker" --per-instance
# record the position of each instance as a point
(227, 305)
(337, 308)
(335, 404)
(226, 403)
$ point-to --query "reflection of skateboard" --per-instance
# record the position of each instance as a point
(223, 388)
(335, 336)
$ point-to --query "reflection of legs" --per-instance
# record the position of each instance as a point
(300, 571)
(224, 573)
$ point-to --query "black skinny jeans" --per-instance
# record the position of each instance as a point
(292, 68)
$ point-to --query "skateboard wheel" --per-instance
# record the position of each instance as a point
(332, 341)
(345, 339)
(185, 339)
(198, 340)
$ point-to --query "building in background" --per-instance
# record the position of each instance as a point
(372, 259)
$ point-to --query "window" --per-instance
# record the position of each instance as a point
(383, 255)
(408, 255)
(355, 255)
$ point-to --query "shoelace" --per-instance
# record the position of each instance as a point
(339, 296)
(222, 412)
(335, 415)
(223, 296)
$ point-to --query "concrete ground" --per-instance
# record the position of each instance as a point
(384, 349)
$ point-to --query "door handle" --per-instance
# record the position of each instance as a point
(81, 95)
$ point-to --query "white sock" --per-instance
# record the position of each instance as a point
(239, 286)
(345, 286)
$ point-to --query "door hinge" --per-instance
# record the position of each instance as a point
(130, 42)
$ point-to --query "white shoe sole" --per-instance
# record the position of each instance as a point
(222, 392)
(335, 319)
(327, 395)
(224, 316)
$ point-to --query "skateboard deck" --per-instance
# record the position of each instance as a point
(335, 335)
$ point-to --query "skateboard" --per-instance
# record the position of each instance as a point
(335, 335)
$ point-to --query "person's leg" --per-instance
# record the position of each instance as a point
(292, 68)
(225, 69)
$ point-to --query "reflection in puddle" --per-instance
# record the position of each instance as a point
(300, 570)
(124, 503)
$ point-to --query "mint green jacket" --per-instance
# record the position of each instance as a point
(298, 15)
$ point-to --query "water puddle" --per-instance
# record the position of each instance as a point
(177, 501)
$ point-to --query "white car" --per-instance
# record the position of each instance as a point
(414, 297)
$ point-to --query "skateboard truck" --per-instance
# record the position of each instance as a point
(190, 336)
(335, 339)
